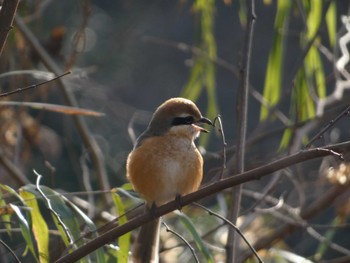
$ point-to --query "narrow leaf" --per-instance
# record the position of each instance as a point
(314, 18)
(124, 240)
(64, 212)
(274, 72)
(39, 226)
(331, 20)
(25, 230)
(186, 221)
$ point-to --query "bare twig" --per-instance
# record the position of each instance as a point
(89, 141)
(242, 118)
(183, 239)
(32, 86)
(224, 144)
(14, 171)
(328, 126)
(209, 190)
(10, 250)
(87, 185)
(210, 212)
(7, 13)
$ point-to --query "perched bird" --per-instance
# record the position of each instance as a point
(164, 164)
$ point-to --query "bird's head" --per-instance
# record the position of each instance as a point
(178, 116)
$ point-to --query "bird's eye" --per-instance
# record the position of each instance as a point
(183, 120)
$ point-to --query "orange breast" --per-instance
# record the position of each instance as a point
(164, 166)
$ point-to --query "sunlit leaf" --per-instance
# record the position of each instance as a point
(315, 72)
(124, 240)
(54, 108)
(203, 73)
(186, 221)
(274, 72)
(304, 104)
(65, 213)
(25, 230)
(314, 17)
(39, 226)
(127, 187)
(331, 20)
(287, 135)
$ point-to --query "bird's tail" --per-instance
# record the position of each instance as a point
(146, 246)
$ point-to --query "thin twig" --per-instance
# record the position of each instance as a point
(89, 141)
(10, 250)
(7, 13)
(87, 185)
(15, 173)
(183, 239)
(224, 144)
(242, 119)
(328, 126)
(210, 212)
(33, 86)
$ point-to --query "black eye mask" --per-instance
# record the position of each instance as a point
(183, 121)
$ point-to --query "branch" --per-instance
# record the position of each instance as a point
(32, 86)
(7, 13)
(89, 141)
(206, 191)
(183, 240)
(242, 116)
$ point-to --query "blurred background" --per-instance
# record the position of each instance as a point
(127, 57)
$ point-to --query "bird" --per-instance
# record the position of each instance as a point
(165, 164)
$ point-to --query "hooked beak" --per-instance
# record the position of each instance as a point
(203, 120)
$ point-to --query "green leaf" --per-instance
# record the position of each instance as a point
(15, 194)
(202, 75)
(329, 236)
(314, 18)
(304, 104)
(314, 72)
(186, 221)
(127, 187)
(287, 135)
(25, 230)
(124, 240)
(39, 226)
(99, 253)
(62, 209)
(242, 12)
(274, 72)
(65, 209)
(331, 20)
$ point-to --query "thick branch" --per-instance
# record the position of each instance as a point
(206, 191)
